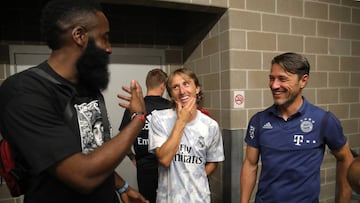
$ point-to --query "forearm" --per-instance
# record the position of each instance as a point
(210, 167)
(111, 153)
(119, 181)
(344, 159)
(344, 189)
(353, 175)
(75, 171)
(247, 182)
(167, 151)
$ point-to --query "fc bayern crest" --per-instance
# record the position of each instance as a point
(307, 125)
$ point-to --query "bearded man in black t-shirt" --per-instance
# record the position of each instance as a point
(54, 116)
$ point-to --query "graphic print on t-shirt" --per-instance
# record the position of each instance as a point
(90, 125)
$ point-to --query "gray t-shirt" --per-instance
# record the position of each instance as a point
(185, 180)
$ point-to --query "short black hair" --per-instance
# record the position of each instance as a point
(293, 63)
(58, 16)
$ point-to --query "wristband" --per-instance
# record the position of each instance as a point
(124, 188)
(139, 115)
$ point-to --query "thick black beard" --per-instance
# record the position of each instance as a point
(92, 67)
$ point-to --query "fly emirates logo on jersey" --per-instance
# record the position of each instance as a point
(141, 140)
(184, 155)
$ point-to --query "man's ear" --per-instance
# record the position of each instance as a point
(198, 88)
(163, 86)
(79, 35)
(303, 81)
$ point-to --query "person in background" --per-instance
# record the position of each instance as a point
(290, 137)
(187, 143)
(146, 163)
(70, 160)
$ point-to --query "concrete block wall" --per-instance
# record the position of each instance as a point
(236, 55)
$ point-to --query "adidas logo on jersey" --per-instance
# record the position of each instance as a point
(267, 126)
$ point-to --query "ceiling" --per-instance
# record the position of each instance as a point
(132, 22)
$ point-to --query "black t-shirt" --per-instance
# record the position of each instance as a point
(142, 155)
(33, 120)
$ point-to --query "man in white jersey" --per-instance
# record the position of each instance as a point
(187, 143)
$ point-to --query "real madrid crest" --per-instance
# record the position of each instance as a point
(306, 125)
